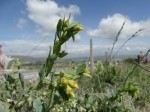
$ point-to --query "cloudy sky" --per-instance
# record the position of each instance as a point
(27, 27)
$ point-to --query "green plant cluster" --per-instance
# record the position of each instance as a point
(51, 88)
(111, 92)
(112, 88)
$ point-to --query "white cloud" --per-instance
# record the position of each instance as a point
(24, 47)
(77, 37)
(21, 23)
(109, 27)
(137, 48)
(128, 48)
(46, 13)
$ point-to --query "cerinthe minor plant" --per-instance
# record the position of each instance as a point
(51, 87)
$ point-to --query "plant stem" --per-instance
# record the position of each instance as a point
(52, 105)
(50, 101)
(132, 70)
(134, 35)
(16, 103)
(128, 76)
(51, 95)
(141, 67)
(116, 39)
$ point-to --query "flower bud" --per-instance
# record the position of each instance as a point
(73, 84)
(69, 91)
(78, 28)
(64, 81)
(64, 34)
(87, 75)
(66, 24)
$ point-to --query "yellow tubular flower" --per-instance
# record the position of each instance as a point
(73, 84)
(87, 75)
(69, 91)
(64, 81)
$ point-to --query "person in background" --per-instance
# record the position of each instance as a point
(145, 59)
(4, 60)
(1, 61)
(140, 57)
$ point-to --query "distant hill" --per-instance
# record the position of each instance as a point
(29, 59)
(37, 60)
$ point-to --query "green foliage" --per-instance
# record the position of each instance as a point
(37, 104)
(132, 89)
(21, 77)
(81, 69)
(4, 107)
(50, 88)
(112, 91)
(112, 88)
(62, 54)
(129, 60)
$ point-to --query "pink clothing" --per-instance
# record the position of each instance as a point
(145, 60)
(1, 52)
(1, 65)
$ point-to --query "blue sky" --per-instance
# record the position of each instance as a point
(24, 23)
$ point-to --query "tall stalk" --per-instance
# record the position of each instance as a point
(134, 35)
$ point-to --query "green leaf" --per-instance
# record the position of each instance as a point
(59, 26)
(80, 69)
(53, 57)
(51, 86)
(39, 85)
(21, 77)
(7, 86)
(10, 79)
(46, 81)
(70, 71)
(54, 82)
(56, 98)
(30, 100)
(42, 71)
(63, 93)
(4, 107)
(68, 75)
(26, 94)
(113, 70)
(56, 73)
(62, 54)
(37, 104)
(66, 24)
(20, 103)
